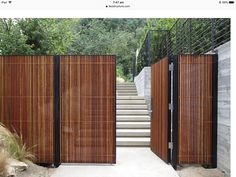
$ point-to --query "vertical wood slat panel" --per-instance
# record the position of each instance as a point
(159, 96)
(195, 109)
(26, 101)
(88, 109)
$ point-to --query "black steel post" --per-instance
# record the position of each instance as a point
(214, 110)
(57, 137)
(170, 75)
(174, 160)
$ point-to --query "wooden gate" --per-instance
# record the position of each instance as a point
(159, 121)
(192, 99)
(63, 105)
(88, 99)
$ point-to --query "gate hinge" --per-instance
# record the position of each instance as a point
(170, 145)
(171, 67)
(171, 106)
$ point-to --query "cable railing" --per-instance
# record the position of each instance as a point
(186, 36)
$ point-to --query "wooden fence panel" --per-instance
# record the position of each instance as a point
(159, 97)
(27, 101)
(195, 109)
(88, 108)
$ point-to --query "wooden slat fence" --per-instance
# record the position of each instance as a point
(195, 109)
(81, 111)
(27, 101)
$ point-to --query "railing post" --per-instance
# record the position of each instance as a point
(190, 36)
(177, 39)
(148, 49)
(168, 43)
(134, 67)
(183, 35)
(213, 33)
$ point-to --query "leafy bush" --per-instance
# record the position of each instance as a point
(120, 74)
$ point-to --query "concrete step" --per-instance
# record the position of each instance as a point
(126, 84)
(132, 118)
(127, 87)
(133, 142)
(131, 107)
(129, 97)
(133, 133)
(126, 94)
(133, 125)
(132, 112)
(126, 91)
(129, 102)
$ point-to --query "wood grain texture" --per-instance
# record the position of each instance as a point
(26, 101)
(159, 97)
(195, 109)
(88, 109)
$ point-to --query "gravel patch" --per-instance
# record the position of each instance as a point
(36, 171)
(199, 171)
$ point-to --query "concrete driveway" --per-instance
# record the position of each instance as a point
(131, 162)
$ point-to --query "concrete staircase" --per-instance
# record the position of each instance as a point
(133, 120)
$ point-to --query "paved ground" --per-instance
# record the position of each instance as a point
(131, 162)
(35, 171)
(198, 171)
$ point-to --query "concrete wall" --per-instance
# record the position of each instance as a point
(143, 84)
(223, 149)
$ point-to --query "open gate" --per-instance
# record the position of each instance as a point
(65, 106)
(184, 109)
(159, 102)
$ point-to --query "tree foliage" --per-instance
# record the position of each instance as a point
(120, 37)
(35, 36)
(12, 41)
